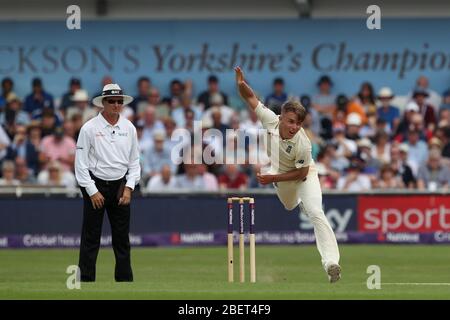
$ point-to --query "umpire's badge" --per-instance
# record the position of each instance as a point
(289, 148)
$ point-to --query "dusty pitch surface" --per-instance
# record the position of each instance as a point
(283, 272)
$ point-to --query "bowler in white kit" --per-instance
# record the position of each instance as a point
(293, 172)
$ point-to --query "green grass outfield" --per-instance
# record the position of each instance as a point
(283, 272)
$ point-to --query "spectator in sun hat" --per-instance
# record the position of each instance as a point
(13, 112)
(80, 104)
(226, 112)
(67, 98)
(404, 156)
(398, 156)
(411, 108)
(353, 125)
(425, 109)
(364, 152)
(387, 111)
(38, 99)
(433, 98)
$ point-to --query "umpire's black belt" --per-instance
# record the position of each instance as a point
(106, 182)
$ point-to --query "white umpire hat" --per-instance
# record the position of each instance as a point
(111, 90)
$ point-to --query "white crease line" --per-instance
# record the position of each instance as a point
(416, 283)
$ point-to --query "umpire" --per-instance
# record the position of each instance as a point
(107, 170)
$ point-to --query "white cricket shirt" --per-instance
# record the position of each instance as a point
(108, 151)
(285, 154)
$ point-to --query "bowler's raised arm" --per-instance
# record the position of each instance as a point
(244, 89)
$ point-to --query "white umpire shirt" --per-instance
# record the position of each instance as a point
(108, 152)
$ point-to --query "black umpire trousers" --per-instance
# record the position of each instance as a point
(119, 218)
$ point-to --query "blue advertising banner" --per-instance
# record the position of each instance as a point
(341, 212)
(156, 214)
(298, 50)
(189, 220)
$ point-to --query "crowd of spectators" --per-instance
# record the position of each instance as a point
(372, 140)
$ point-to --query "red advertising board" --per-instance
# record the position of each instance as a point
(397, 213)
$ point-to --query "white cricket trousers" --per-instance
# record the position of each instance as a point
(309, 195)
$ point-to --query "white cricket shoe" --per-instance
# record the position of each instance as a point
(334, 272)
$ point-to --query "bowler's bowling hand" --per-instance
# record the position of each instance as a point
(244, 89)
(97, 200)
(126, 197)
(239, 75)
(265, 179)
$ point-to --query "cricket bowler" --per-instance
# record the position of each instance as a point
(293, 172)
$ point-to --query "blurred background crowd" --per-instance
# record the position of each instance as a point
(372, 140)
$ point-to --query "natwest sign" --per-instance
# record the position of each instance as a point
(404, 213)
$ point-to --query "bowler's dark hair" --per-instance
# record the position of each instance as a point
(295, 107)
